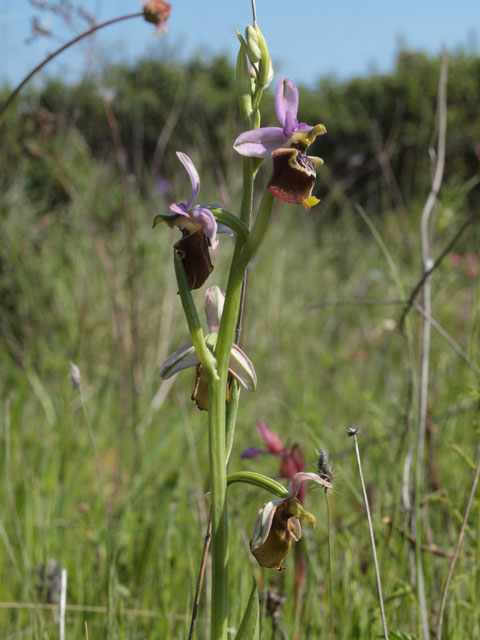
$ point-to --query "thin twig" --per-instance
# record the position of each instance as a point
(201, 574)
(85, 608)
(458, 548)
(409, 303)
(354, 432)
(453, 343)
(53, 55)
(374, 302)
(254, 12)
(368, 302)
(428, 548)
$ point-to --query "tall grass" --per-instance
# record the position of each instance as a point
(325, 357)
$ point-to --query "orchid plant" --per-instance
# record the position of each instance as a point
(222, 368)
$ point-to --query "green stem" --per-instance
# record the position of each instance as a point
(218, 481)
(259, 480)
(258, 230)
(217, 410)
(247, 197)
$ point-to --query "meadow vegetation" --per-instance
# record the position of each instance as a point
(84, 278)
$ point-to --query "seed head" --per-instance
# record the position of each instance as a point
(75, 377)
(325, 467)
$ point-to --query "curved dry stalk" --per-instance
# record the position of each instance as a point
(410, 302)
(427, 265)
(53, 55)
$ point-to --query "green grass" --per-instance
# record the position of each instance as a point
(70, 292)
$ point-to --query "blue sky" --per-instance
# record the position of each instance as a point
(307, 38)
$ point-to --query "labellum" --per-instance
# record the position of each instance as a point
(294, 175)
(193, 252)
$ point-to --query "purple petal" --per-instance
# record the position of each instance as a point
(178, 209)
(302, 476)
(206, 219)
(260, 143)
(286, 100)
(222, 228)
(193, 173)
(253, 452)
(303, 127)
(291, 124)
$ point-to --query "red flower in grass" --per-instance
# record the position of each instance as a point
(291, 458)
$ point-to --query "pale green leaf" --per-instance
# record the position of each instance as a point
(249, 628)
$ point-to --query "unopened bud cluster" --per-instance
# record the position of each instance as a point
(254, 72)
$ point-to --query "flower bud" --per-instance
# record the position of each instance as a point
(253, 48)
(265, 68)
(243, 85)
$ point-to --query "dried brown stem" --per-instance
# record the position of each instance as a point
(425, 232)
(409, 303)
(201, 575)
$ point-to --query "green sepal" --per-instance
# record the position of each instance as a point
(230, 220)
(188, 304)
(259, 480)
(164, 217)
(250, 628)
(205, 356)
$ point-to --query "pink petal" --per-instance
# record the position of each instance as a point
(286, 101)
(291, 124)
(260, 143)
(270, 438)
(206, 219)
(302, 476)
(178, 209)
(193, 174)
